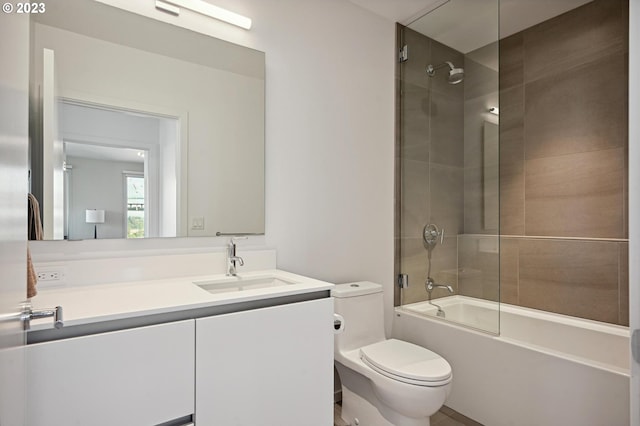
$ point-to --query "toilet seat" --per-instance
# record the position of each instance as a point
(407, 363)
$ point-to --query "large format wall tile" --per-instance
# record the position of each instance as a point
(479, 80)
(623, 284)
(578, 278)
(509, 249)
(473, 208)
(447, 198)
(479, 266)
(512, 161)
(511, 61)
(625, 176)
(583, 35)
(576, 111)
(413, 264)
(415, 207)
(447, 129)
(414, 122)
(578, 195)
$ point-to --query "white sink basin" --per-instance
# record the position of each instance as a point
(238, 283)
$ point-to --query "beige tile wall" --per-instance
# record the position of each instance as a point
(563, 165)
(430, 164)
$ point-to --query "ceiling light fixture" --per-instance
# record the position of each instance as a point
(204, 8)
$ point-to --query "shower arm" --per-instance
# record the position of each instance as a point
(431, 69)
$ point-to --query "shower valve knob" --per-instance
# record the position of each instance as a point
(430, 234)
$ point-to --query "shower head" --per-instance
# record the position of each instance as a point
(456, 75)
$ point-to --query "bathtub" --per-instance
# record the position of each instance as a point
(542, 369)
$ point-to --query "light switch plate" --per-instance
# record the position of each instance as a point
(197, 223)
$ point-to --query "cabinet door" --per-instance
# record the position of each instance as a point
(271, 366)
(142, 376)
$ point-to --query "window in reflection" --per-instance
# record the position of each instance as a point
(135, 205)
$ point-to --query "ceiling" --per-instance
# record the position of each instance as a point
(104, 153)
(466, 25)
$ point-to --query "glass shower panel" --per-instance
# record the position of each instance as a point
(447, 164)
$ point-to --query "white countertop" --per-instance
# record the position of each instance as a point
(107, 302)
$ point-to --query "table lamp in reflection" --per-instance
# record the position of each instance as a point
(94, 216)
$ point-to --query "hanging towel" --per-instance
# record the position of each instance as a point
(32, 277)
(35, 231)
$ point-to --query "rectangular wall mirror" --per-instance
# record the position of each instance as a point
(160, 127)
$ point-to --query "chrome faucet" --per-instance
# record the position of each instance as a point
(232, 258)
(430, 284)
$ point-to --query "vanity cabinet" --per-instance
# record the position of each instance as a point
(259, 366)
(270, 366)
(140, 376)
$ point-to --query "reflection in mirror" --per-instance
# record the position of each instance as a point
(116, 96)
(112, 156)
(105, 152)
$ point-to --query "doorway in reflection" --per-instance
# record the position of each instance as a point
(122, 162)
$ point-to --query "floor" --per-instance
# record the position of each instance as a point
(445, 417)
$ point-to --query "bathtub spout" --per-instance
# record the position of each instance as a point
(430, 284)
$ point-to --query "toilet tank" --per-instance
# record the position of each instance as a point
(361, 306)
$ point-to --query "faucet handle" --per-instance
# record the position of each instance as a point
(430, 234)
(238, 237)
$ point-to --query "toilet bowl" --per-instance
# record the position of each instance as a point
(384, 381)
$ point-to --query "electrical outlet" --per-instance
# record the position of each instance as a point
(51, 275)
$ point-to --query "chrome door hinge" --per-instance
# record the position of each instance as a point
(403, 54)
(635, 345)
(403, 280)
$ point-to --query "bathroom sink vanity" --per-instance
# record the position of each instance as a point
(247, 350)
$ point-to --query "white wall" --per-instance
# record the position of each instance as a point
(329, 133)
(168, 176)
(330, 136)
(98, 184)
(52, 152)
(14, 122)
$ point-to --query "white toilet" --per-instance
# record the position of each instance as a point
(384, 381)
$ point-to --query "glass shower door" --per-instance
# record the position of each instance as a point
(447, 165)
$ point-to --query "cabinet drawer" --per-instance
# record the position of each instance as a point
(130, 377)
(271, 366)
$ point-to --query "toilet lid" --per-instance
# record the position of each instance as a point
(404, 360)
